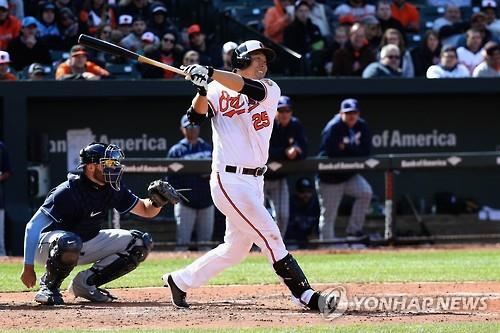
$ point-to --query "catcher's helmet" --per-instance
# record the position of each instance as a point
(109, 156)
(241, 55)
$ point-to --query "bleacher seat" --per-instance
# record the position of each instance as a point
(122, 71)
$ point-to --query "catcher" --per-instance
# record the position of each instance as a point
(66, 230)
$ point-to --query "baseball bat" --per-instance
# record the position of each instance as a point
(100, 45)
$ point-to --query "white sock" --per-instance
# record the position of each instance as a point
(306, 296)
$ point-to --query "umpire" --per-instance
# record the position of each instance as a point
(66, 230)
(346, 135)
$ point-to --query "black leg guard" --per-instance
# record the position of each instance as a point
(63, 257)
(291, 273)
(125, 263)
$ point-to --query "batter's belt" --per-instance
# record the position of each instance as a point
(246, 171)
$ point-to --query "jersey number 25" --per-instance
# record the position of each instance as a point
(260, 120)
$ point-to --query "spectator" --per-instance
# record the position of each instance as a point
(354, 10)
(450, 26)
(149, 38)
(16, 8)
(160, 24)
(69, 28)
(135, 8)
(276, 19)
(170, 54)
(5, 74)
(448, 67)
(304, 212)
(125, 24)
(5, 172)
(227, 53)
(339, 42)
(48, 32)
(427, 54)
(490, 67)
(209, 54)
(322, 16)
(303, 36)
(385, 19)
(388, 66)
(190, 58)
(101, 58)
(444, 3)
(471, 55)
(394, 37)
(95, 14)
(489, 8)
(133, 40)
(479, 22)
(10, 26)
(346, 135)
(373, 31)
(77, 67)
(288, 143)
(27, 49)
(64, 4)
(147, 71)
(353, 59)
(407, 14)
(36, 72)
(199, 210)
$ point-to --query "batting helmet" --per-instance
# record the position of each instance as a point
(109, 156)
(241, 56)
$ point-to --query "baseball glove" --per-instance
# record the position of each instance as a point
(161, 192)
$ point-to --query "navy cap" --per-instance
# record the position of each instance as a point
(29, 21)
(186, 123)
(304, 184)
(284, 102)
(349, 105)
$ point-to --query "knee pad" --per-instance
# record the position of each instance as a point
(65, 250)
(140, 252)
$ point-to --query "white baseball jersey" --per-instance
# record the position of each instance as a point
(241, 126)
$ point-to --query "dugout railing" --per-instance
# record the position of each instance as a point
(388, 164)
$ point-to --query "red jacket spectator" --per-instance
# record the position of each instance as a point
(10, 26)
(276, 20)
(407, 14)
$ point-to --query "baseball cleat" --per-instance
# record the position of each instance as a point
(46, 296)
(178, 296)
(79, 288)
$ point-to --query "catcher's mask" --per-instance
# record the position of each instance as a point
(109, 156)
(241, 59)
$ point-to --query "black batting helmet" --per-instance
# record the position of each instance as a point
(241, 55)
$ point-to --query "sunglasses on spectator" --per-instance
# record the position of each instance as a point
(169, 40)
(393, 56)
(106, 31)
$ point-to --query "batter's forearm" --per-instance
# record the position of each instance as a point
(229, 80)
(200, 104)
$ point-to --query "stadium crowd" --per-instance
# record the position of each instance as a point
(434, 38)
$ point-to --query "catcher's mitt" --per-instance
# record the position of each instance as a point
(161, 192)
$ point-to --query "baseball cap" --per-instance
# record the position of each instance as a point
(4, 57)
(36, 68)
(369, 20)
(194, 29)
(148, 37)
(284, 102)
(186, 123)
(125, 20)
(48, 6)
(4, 4)
(488, 4)
(304, 184)
(159, 8)
(228, 47)
(77, 50)
(349, 105)
(29, 21)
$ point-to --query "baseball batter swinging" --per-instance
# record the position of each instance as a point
(65, 231)
(242, 105)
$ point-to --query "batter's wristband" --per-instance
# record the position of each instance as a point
(210, 71)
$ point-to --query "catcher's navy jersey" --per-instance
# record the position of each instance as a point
(79, 205)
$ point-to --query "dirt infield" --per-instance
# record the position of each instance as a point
(241, 306)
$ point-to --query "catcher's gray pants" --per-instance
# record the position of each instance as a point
(330, 196)
(277, 193)
(186, 218)
(101, 250)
